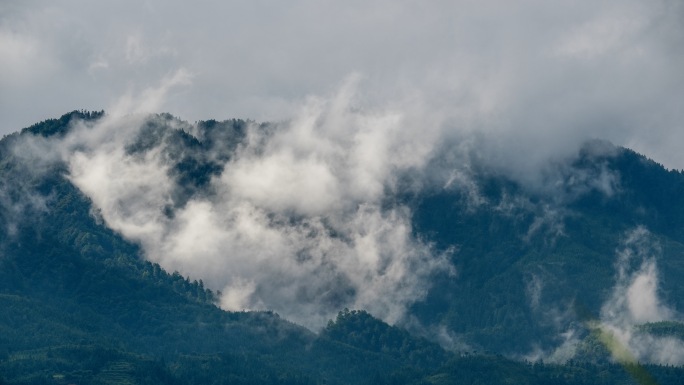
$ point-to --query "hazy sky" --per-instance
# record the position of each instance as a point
(536, 74)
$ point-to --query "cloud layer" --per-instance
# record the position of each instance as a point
(539, 77)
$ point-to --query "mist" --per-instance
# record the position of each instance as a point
(304, 217)
(364, 98)
(635, 301)
(302, 220)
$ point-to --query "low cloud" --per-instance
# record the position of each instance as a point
(635, 301)
(635, 297)
(301, 220)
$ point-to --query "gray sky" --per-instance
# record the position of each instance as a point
(538, 76)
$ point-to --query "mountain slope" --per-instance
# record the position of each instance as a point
(77, 282)
(70, 287)
(534, 265)
(528, 256)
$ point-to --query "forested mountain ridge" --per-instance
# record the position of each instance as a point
(71, 287)
(80, 284)
(522, 246)
(79, 305)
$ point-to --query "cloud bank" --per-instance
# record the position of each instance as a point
(539, 77)
(302, 218)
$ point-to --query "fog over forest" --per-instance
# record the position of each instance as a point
(356, 114)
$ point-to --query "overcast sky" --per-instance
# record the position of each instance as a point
(544, 72)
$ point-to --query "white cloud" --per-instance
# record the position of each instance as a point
(298, 221)
(635, 298)
(635, 301)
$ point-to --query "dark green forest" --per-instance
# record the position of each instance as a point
(80, 305)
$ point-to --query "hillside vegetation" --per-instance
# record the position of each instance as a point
(80, 304)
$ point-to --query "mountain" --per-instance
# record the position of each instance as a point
(534, 268)
(535, 253)
(79, 305)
